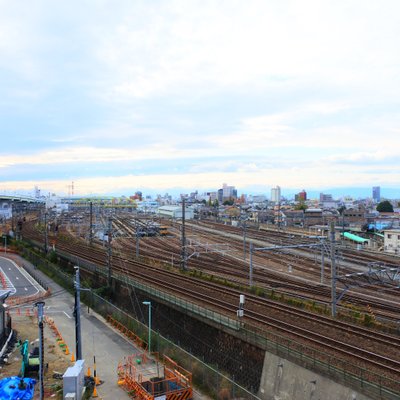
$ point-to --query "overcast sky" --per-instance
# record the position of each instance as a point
(158, 96)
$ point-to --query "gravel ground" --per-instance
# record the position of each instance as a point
(27, 328)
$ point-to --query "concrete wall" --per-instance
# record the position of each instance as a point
(283, 380)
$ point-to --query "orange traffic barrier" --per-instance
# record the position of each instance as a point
(72, 357)
(3, 281)
(89, 373)
(94, 394)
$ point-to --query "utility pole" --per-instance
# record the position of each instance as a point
(137, 241)
(333, 270)
(342, 240)
(184, 259)
(77, 313)
(40, 305)
(12, 216)
(46, 239)
(91, 224)
(251, 266)
(109, 251)
(244, 240)
(148, 303)
(322, 260)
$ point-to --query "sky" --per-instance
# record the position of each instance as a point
(173, 96)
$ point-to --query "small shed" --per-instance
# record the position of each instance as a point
(355, 238)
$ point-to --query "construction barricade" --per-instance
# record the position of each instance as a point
(147, 379)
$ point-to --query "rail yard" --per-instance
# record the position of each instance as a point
(288, 286)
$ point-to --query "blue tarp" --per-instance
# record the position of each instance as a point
(10, 388)
(380, 226)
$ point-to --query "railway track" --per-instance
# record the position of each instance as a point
(377, 354)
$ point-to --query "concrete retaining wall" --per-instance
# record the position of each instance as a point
(283, 380)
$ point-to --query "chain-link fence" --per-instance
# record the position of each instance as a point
(205, 377)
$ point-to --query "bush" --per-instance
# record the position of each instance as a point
(52, 257)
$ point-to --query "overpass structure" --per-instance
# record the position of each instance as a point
(20, 199)
(11, 205)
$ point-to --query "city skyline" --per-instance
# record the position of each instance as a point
(336, 194)
(178, 96)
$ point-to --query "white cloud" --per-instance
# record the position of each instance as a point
(380, 157)
(210, 46)
(319, 80)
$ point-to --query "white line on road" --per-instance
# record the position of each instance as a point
(67, 315)
(31, 280)
(27, 276)
(9, 285)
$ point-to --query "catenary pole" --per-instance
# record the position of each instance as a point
(333, 270)
(78, 337)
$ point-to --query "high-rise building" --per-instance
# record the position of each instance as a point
(376, 194)
(302, 196)
(325, 197)
(276, 194)
(227, 193)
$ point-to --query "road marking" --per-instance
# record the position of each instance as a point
(9, 285)
(29, 278)
(67, 315)
(25, 289)
(16, 278)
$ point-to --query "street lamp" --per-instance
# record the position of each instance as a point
(5, 244)
(148, 303)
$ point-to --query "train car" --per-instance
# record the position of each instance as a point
(163, 230)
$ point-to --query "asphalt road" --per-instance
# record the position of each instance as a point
(17, 280)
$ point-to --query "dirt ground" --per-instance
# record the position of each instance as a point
(27, 328)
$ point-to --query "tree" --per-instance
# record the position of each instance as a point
(228, 202)
(301, 206)
(384, 206)
(341, 209)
